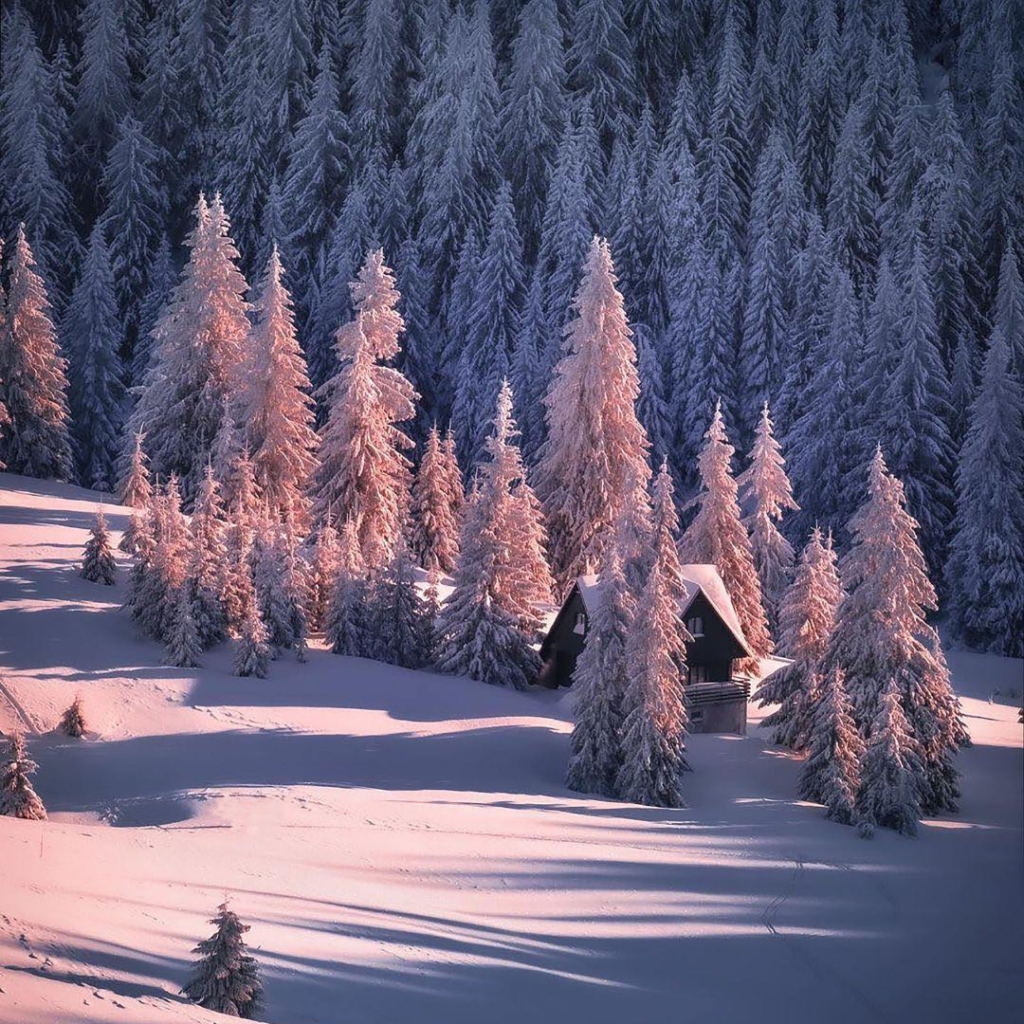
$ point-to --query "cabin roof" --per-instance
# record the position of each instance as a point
(697, 579)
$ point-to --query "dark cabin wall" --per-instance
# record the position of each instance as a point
(715, 650)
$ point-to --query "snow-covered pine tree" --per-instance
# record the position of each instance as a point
(717, 535)
(207, 568)
(93, 336)
(347, 624)
(882, 636)
(243, 516)
(98, 564)
(592, 421)
(72, 722)
(653, 729)
(891, 768)
(765, 493)
(599, 683)
(806, 618)
(253, 652)
(274, 403)
(17, 797)
(985, 572)
(363, 473)
(323, 573)
(435, 524)
(486, 351)
(133, 222)
(33, 382)
(401, 621)
(452, 474)
(183, 645)
(199, 342)
(665, 530)
(135, 489)
(831, 773)
(226, 977)
(489, 622)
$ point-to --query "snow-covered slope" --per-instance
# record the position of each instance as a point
(404, 848)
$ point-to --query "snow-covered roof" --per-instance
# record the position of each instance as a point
(697, 579)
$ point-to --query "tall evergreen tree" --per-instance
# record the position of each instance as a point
(363, 473)
(985, 572)
(98, 565)
(716, 535)
(592, 423)
(92, 336)
(435, 520)
(33, 381)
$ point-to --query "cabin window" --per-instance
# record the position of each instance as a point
(581, 624)
(698, 674)
(697, 715)
(695, 626)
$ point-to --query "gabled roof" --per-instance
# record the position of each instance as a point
(697, 579)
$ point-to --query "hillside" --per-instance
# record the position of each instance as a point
(404, 848)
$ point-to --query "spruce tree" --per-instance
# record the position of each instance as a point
(72, 722)
(207, 569)
(93, 336)
(489, 623)
(435, 522)
(985, 572)
(400, 616)
(33, 381)
(226, 977)
(882, 636)
(591, 417)
(363, 473)
(766, 494)
(183, 645)
(17, 797)
(831, 773)
(347, 622)
(323, 572)
(654, 717)
(200, 342)
(275, 404)
(135, 488)
(891, 768)
(599, 684)
(252, 649)
(806, 618)
(98, 564)
(716, 535)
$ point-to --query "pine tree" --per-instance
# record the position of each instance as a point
(985, 572)
(882, 637)
(654, 718)
(243, 517)
(493, 322)
(806, 618)
(183, 646)
(98, 564)
(226, 977)
(489, 622)
(93, 337)
(133, 222)
(716, 535)
(1009, 311)
(275, 403)
(592, 422)
(347, 622)
(72, 722)
(33, 384)
(273, 599)
(766, 493)
(435, 522)
(163, 276)
(206, 571)
(199, 345)
(136, 492)
(288, 32)
(252, 650)
(533, 111)
(891, 768)
(599, 684)
(363, 473)
(103, 78)
(375, 83)
(17, 797)
(831, 773)
(324, 571)
(399, 614)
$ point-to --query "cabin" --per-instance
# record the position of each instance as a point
(715, 699)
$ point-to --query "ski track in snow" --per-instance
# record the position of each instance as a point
(404, 848)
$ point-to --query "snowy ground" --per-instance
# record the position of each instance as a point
(404, 848)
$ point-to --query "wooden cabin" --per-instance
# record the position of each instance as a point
(715, 699)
